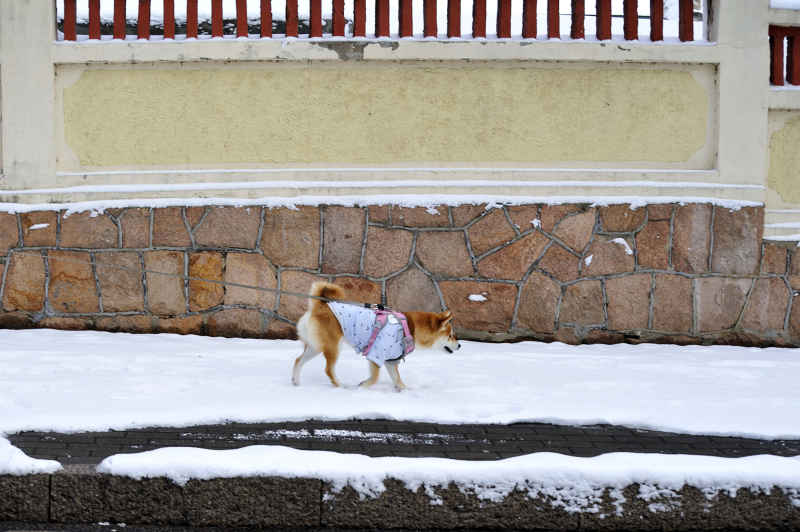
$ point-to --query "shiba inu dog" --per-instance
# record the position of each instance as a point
(321, 331)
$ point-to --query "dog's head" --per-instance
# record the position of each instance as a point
(445, 337)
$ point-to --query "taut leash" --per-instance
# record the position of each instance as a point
(200, 279)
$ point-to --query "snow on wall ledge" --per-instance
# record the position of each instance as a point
(687, 273)
(572, 484)
(282, 487)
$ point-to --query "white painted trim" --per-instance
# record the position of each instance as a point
(409, 169)
(249, 185)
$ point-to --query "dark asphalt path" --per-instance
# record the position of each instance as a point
(396, 438)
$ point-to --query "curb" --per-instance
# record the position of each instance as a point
(80, 495)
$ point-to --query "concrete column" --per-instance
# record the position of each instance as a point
(27, 31)
(740, 27)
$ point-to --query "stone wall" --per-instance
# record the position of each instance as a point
(694, 273)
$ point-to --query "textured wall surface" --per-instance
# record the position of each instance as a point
(694, 273)
(80, 496)
(383, 113)
(784, 156)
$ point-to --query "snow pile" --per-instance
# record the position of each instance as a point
(576, 484)
(14, 462)
(51, 381)
(477, 298)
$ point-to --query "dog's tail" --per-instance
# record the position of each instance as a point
(326, 290)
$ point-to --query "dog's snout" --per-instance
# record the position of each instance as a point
(459, 346)
(447, 348)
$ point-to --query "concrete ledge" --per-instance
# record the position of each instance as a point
(79, 495)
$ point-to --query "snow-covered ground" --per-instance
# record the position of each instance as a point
(83, 380)
(72, 381)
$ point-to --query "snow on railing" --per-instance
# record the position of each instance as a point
(352, 19)
(790, 37)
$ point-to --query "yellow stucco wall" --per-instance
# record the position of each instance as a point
(382, 113)
(784, 157)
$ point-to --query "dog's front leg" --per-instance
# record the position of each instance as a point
(374, 372)
(394, 373)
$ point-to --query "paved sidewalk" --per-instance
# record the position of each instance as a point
(396, 438)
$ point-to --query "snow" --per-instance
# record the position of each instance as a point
(588, 260)
(278, 13)
(400, 200)
(576, 484)
(624, 243)
(51, 380)
(784, 4)
(477, 297)
(34, 227)
(14, 462)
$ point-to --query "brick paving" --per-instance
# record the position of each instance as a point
(396, 438)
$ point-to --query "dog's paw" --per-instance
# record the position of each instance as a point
(399, 388)
(295, 381)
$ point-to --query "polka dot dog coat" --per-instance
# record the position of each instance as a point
(358, 324)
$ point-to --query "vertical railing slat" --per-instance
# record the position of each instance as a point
(315, 16)
(191, 19)
(630, 10)
(216, 18)
(528, 19)
(359, 18)
(405, 19)
(143, 20)
(453, 18)
(479, 18)
(578, 15)
(70, 20)
(553, 20)
(94, 19)
(381, 18)
(266, 18)
(656, 20)
(793, 63)
(119, 19)
(338, 18)
(291, 18)
(686, 20)
(603, 11)
(504, 19)
(430, 27)
(241, 18)
(776, 51)
(169, 19)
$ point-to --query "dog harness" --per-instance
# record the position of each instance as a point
(380, 335)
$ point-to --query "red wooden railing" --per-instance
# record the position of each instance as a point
(404, 18)
(778, 72)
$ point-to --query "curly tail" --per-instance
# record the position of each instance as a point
(326, 290)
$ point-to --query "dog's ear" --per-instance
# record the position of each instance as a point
(445, 318)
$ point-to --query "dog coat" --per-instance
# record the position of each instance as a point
(358, 324)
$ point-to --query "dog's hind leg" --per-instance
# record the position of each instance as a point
(374, 372)
(308, 353)
(394, 373)
(331, 355)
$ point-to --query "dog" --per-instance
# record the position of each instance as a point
(321, 332)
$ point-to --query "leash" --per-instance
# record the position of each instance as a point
(377, 306)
